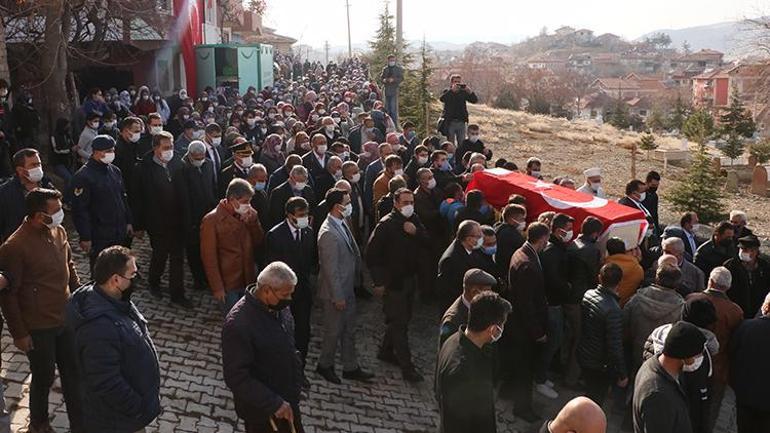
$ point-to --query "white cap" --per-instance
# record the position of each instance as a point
(593, 172)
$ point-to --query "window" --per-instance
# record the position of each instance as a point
(165, 6)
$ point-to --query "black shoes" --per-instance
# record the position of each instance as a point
(358, 375)
(412, 376)
(328, 374)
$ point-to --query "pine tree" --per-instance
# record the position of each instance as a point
(678, 114)
(733, 147)
(620, 118)
(655, 121)
(699, 191)
(647, 143)
(761, 151)
(426, 98)
(384, 44)
(736, 119)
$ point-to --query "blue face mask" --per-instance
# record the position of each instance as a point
(259, 186)
(490, 251)
(445, 166)
(485, 209)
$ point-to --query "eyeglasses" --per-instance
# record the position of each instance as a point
(136, 274)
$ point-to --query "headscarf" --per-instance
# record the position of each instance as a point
(369, 153)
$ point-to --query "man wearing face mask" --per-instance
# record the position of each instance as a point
(510, 234)
(326, 180)
(156, 209)
(316, 159)
(717, 250)
(462, 254)
(29, 175)
(393, 168)
(260, 362)
(534, 167)
(352, 174)
(197, 196)
(419, 160)
(90, 131)
(34, 305)
(465, 371)
(215, 152)
(525, 337)
(193, 130)
(281, 175)
(243, 159)
(393, 256)
(230, 234)
(127, 150)
(392, 75)
(339, 264)
(110, 334)
(258, 179)
(593, 184)
(328, 129)
(660, 403)
(650, 201)
(293, 242)
(473, 143)
(295, 186)
(100, 209)
(635, 195)
(364, 132)
(751, 276)
(558, 288)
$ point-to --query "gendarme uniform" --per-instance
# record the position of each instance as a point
(99, 207)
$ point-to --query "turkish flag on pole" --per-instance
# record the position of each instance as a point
(498, 184)
(190, 21)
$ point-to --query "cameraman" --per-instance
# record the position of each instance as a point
(455, 109)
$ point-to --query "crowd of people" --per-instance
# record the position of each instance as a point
(297, 194)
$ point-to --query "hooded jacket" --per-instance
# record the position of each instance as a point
(651, 307)
(117, 361)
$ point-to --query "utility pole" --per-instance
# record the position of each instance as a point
(399, 27)
(326, 48)
(350, 45)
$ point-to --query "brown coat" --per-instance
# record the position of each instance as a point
(729, 316)
(227, 249)
(42, 273)
(380, 188)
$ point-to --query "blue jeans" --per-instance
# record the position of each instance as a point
(456, 132)
(391, 107)
(231, 297)
(549, 349)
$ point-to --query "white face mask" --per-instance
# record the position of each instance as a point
(642, 196)
(422, 160)
(197, 162)
(108, 157)
(521, 226)
(396, 147)
(321, 149)
(745, 256)
(135, 137)
(216, 141)
(246, 162)
(299, 186)
(356, 178)
(109, 125)
(473, 138)
(155, 130)
(303, 222)
(347, 210)
(167, 155)
(330, 129)
(398, 172)
(432, 183)
(535, 173)
(56, 219)
(479, 243)
(241, 209)
(407, 211)
(567, 236)
(338, 174)
(689, 368)
(251, 122)
(197, 135)
(596, 186)
(35, 174)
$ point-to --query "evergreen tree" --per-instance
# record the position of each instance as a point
(736, 120)
(733, 147)
(384, 44)
(678, 114)
(620, 117)
(655, 121)
(761, 151)
(699, 191)
(647, 143)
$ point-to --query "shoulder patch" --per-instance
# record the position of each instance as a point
(78, 191)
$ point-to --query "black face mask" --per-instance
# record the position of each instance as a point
(725, 242)
(280, 305)
(652, 189)
(126, 294)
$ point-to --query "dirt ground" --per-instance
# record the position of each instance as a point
(567, 148)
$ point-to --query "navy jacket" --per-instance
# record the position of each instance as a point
(260, 363)
(12, 209)
(117, 361)
(99, 204)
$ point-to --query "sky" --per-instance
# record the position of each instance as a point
(463, 21)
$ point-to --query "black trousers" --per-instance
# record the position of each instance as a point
(301, 307)
(598, 383)
(193, 250)
(167, 247)
(264, 426)
(751, 420)
(54, 348)
(397, 305)
(519, 355)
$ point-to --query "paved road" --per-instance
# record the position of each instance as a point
(195, 399)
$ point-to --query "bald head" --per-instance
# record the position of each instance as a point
(579, 415)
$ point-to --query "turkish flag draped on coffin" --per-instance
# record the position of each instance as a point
(498, 184)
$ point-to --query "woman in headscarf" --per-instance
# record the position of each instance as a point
(144, 104)
(272, 156)
(299, 144)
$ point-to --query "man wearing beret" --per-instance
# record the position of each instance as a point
(751, 276)
(243, 159)
(475, 281)
(660, 403)
(99, 203)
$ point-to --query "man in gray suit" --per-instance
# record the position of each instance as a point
(339, 262)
